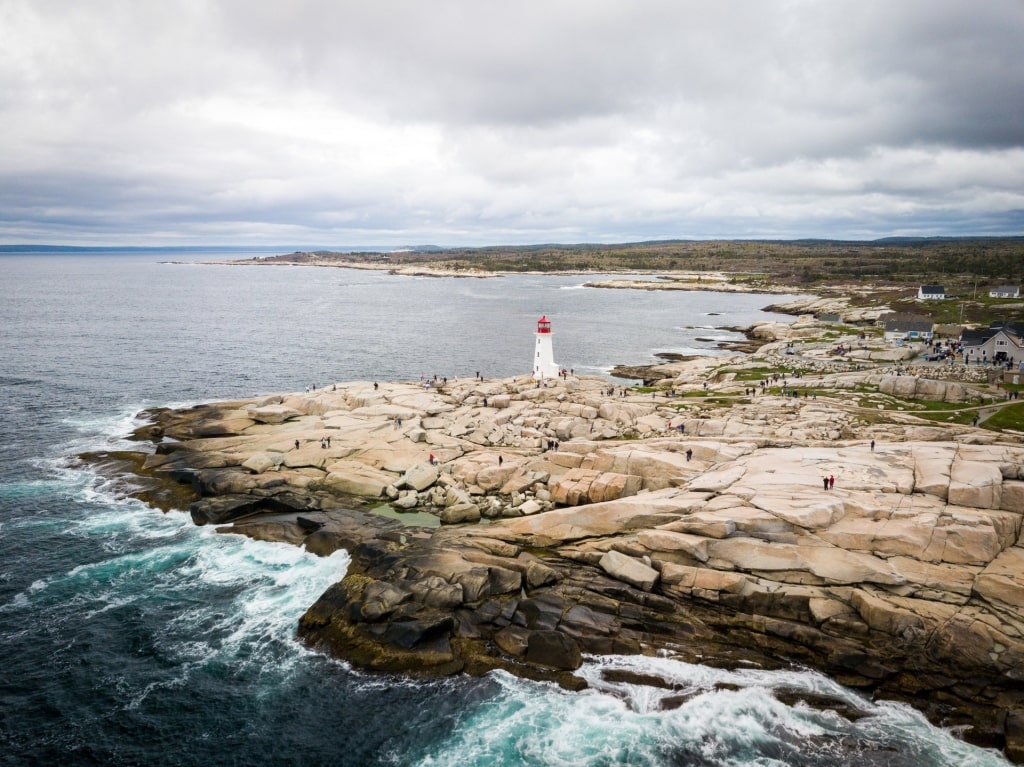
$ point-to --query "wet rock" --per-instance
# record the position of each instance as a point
(217, 511)
(553, 649)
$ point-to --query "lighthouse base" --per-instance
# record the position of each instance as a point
(551, 370)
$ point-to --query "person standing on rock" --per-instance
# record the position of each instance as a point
(296, 444)
(824, 481)
(872, 446)
(689, 454)
(831, 481)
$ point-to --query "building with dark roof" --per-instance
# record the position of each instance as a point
(1000, 343)
(931, 292)
(906, 327)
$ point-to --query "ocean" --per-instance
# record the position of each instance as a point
(131, 637)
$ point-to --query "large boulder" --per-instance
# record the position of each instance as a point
(553, 649)
(975, 484)
(630, 570)
(419, 477)
(932, 465)
(608, 518)
(272, 413)
(261, 462)
(658, 468)
(693, 546)
(804, 564)
(704, 524)
(460, 513)
(351, 478)
(582, 486)
(1002, 582)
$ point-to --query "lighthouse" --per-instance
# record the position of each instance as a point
(543, 356)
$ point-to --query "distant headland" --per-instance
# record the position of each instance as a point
(864, 273)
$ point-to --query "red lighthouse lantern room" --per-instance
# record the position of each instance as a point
(544, 325)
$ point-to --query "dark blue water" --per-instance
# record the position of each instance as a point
(128, 636)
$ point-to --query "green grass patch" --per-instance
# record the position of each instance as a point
(1007, 417)
(948, 416)
(760, 373)
(932, 406)
(931, 410)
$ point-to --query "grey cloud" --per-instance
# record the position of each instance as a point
(583, 119)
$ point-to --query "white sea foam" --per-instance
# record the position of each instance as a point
(218, 599)
(701, 715)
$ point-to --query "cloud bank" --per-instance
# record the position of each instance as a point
(327, 122)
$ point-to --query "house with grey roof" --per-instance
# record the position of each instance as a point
(931, 293)
(1000, 343)
(1004, 291)
(906, 327)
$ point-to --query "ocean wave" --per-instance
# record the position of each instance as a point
(695, 715)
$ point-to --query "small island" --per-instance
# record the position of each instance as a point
(830, 500)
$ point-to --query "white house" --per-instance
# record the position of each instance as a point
(931, 293)
(1001, 343)
(1004, 291)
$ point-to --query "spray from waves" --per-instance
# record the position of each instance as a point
(107, 430)
(660, 712)
(198, 601)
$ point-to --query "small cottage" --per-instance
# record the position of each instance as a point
(1004, 291)
(931, 293)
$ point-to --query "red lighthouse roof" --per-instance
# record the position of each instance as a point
(544, 325)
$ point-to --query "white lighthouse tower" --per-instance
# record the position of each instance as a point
(543, 356)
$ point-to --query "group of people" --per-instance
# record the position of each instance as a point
(829, 482)
(325, 443)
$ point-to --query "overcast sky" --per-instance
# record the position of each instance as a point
(472, 122)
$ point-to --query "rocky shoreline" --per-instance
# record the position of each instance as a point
(583, 517)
